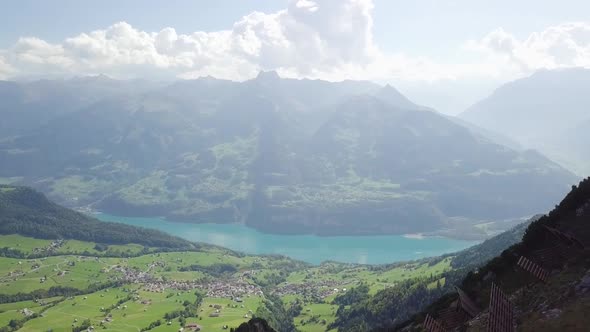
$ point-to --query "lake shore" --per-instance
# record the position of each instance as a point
(470, 233)
(377, 249)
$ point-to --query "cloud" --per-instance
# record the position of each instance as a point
(563, 45)
(6, 70)
(328, 39)
(306, 38)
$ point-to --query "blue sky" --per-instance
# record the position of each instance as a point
(417, 45)
(57, 19)
(420, 25)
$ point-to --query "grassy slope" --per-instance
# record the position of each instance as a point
(89, 270)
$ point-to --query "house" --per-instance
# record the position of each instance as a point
(193, 326)
(214, 314)
(27, 312)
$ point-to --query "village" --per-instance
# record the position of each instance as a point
(228, 297)
(52, 247)
(319, 289)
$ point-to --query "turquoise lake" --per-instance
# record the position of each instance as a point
(309, 248)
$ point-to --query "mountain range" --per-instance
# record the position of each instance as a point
(280, 155)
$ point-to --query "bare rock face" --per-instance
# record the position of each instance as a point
(583, 210)
(552, 313)
(489, 276)
(583, 287)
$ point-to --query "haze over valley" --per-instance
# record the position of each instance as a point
(294, 166)
(279, 155)
(547, 111)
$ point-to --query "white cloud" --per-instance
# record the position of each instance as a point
(309, 5)
(563, 45)
(6, 70)
(329, 39)
(307, 38)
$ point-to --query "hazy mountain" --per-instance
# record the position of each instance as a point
(547, 111)
(27, 105)
(392, 96)
(491, 135)
(282, 155)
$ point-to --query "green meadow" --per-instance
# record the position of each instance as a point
(100, 286)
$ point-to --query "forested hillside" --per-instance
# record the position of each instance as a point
(476, 268)
(558, 243)
(360, 310)
(27, 212)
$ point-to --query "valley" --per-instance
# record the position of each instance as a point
(70, 283)
(282, 156)
(137, 279)
(222, 201)
(294, 166)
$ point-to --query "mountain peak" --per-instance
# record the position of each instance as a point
(94, 78)
(392, 96)
(268, 75)
(389, 87)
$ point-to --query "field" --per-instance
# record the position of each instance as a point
(21, 243)
(377, 279)
(231, 313)
(133, 290)
(9, 311)
(314, 317)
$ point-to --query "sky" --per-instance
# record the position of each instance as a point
(441, 53)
